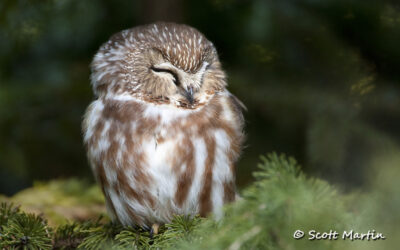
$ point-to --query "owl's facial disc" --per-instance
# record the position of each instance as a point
(186, 84)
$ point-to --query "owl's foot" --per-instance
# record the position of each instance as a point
(154, 230)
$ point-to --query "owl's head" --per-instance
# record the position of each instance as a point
(161, 63)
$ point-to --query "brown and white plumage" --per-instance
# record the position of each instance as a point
(164, 134)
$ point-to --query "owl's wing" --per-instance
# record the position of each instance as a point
(239, 106)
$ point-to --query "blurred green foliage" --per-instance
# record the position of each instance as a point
(320, 79)
(61, 201)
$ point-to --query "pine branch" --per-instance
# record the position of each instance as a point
(26, 231)
(71, 235)
(100, 236)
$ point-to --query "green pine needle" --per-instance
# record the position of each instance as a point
(7, 210)
(100, 235)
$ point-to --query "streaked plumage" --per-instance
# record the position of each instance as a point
(164, 134)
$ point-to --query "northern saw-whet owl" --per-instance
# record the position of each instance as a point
(164, 133)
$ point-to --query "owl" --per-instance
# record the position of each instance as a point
(163, 134)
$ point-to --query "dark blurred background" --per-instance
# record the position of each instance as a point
(320, 79)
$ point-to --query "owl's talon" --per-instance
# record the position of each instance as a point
(154, 230)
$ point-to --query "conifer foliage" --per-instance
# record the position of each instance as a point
(280, 201)
(21, 230)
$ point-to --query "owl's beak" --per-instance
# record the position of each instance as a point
(189, 94)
